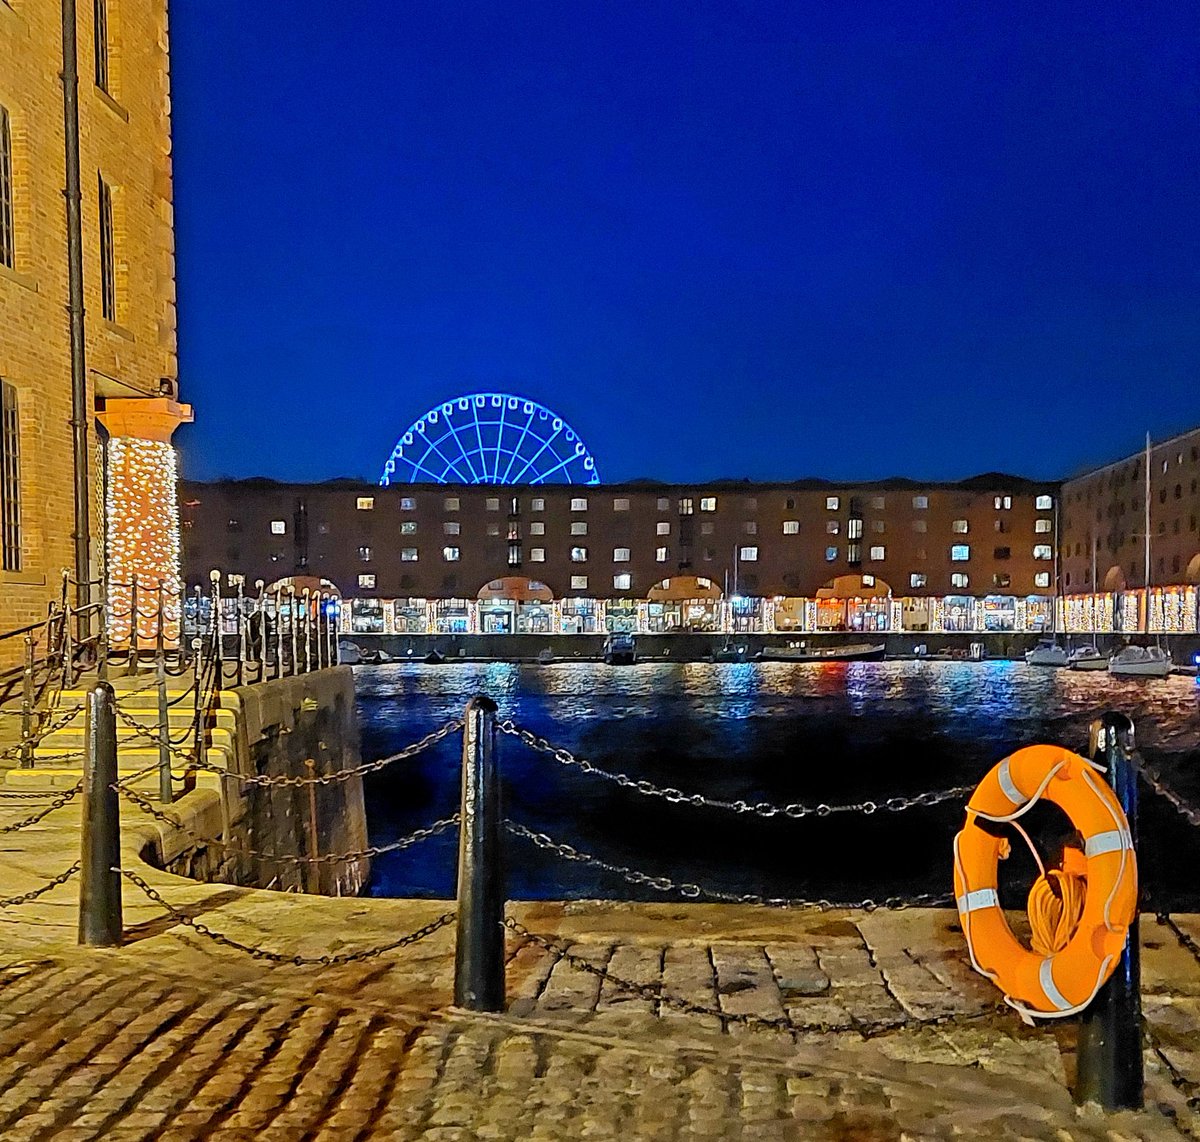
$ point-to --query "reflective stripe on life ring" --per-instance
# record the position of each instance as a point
(1057, 985)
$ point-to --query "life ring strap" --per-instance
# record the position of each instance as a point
(1046, 979)
(1110, 842)
(1007, 787)
(979, 898)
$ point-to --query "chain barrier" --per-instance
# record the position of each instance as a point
(338, 960)
(1189, 1089)
(795, 810)
(1152, 778)
(695, 891)
(57, 803)
(1184, 938)
(154, 733)
(413, 838)
(34, 893)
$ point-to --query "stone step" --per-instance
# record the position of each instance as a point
(57, 779)
(73, 736)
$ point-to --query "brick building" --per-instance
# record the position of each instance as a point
(727, 556)
(87, 329)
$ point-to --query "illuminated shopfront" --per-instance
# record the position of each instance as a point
(410, 616)
(998, 612)
(366, 616)
(789, 613)
(683, 603)
(454, 616)
(958, 613)
(1173, 610)
(581, 616)
(621, 616)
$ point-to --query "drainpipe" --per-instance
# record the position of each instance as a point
(80, 413)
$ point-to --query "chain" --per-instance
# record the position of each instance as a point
(155, 735)
(1187, 1088)
(43, 732)
(405, 842)
(796, 811)
(1152, 778)
(278, 957)
(33, 894)
(57, 803)
(429, 740)
(1183, 937)
(694, 891)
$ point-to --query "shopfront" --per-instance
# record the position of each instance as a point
(683, 603)
(581, 616)
(855, 602)
(958, 613)
(621, 616)
(515, 604)
(999, 612)
(452, 616)
(366, 616)
(789, 613)
(410, 616)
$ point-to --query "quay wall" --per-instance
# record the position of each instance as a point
(280, 727)
(702, 647)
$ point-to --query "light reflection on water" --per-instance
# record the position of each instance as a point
(772, 731)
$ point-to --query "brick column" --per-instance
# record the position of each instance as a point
(142, 515)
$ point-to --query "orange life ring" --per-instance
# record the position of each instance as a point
(1062, 984)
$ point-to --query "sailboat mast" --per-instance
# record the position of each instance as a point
(1146, 580)
(1095, 594)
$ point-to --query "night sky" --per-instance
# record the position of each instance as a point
(721, 239)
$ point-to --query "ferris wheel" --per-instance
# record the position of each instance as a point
(490, 438)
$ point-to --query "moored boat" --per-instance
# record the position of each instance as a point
(1087, 658)
(855, 652)
(620, 650)
(1046, 653)
(1141, 662)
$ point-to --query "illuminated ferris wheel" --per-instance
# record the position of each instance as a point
(490, 438)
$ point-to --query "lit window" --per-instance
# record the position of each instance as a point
(10, 480)
(364, 553)
(514, 555)
(408, 555)
(791, 527)
(920, 503)
(579, 504)
(868, 580)
(620, 505)
(367, 581)
(877, 503)
(1003, 503)
(749, 554)
(537, 555)
(1001, 579)
(578, 554)
(685, 506)
(833, 527)
(622, 582)
(854, 528)
(661, 553)
(1043, 551)
(450, 554)
(878, 553)
(8, 251)
(1044, 503)
(408, 504)
(278, 527)
(451, 527)
(537, 504)
(750, 527)
(1042, 579)
(579, 528)
(960, 553)
(492, 503)
(664, 504)
(1042, 525)
(537, 528)
(662, 528)
(408, 527)
(450, 504)
(832, 503)
(960, 526)
(916, 579)
(708, 503)
(830, 554)
(620, 554)
(365, 503)
(578, 582)
(959, 579)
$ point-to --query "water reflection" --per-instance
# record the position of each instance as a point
(772, 731)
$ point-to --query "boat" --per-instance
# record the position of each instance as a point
(1141, 662)
(729, 653)
(545, 656)
(1047, 653)
(349, 654)
(620, 650)
(435, 658)
(1087, 658)
(853, 652)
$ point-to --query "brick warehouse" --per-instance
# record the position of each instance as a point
(117, 381)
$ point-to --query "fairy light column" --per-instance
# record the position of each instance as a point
(142, 515)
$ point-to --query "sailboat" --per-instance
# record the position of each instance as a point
(1143, 661)
(1089, 657)
(1048, 652)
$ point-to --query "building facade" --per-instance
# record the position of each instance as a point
(807, 556)
(87, 300)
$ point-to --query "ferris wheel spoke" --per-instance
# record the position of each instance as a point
(499, 444)
(562, 466)
(517, 449)
(451, 433)
(536, 456)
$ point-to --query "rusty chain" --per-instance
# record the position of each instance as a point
(57, 803)
(401, 843)
(154, 733)
(1184, 938)
(278, 957)
(1152, 778)
(795, 810)
(34, 893)
(695, 891)
(653, 993)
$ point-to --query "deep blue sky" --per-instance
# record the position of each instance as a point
(722, 239)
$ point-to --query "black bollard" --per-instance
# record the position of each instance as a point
(1110, 1029)
(479, 947)
(100, 920)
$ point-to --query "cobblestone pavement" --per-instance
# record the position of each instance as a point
(886, 1033)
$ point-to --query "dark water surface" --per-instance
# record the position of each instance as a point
(777, 732)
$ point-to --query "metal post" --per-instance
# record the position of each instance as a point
(291, 593)
(314, 877)
(198, 707)
(262, 631)
(68, 650)
(307, 630)
(27, 701)
(164, 737)
(335, 647)
(100, 920)
(1110, 1029)
(241, 635)
(479, 948)
(218, 632)
(131, 663)
(160, 636)
(278, 632)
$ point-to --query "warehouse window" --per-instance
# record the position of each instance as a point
(10, 480)
(108, 261)
(100, 10)
(8, 253)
